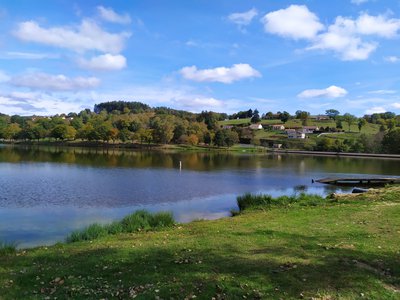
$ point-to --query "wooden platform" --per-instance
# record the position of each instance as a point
(380, 181)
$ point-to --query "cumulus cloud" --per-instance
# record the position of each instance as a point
(220, 74)
(50, 82)
(295, 22)
(87, 36)
(396, 105)
(109, 15)
(392, 59)
(105, 62)
(375, 110)
(244, 18)
(345, 36)
(350, 39)
(330, 92)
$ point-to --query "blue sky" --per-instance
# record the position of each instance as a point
(62, 56)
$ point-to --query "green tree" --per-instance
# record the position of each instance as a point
(11, 131)
(332, 113)
(226, 137)
(256, 117)
(284, 117)
(361, 123)
(391, 141)
(349, 119)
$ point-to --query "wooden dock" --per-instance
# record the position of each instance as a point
(380, 181)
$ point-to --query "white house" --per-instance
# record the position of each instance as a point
(309, 129)
(255, 126)
(296, 134)
(278, 127)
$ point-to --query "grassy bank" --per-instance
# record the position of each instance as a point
(342, 248)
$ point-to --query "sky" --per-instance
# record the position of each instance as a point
(63, 56)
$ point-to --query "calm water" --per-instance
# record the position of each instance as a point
(46, 192)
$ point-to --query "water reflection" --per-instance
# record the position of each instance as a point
(47, 192)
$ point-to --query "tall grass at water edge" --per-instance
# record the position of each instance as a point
(253, 201)
(7, 248)
(137, 221)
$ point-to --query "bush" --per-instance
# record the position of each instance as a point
(139, 220)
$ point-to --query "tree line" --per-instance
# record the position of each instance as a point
(122, 121)
(139, 123)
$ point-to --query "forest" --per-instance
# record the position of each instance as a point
(136, 122)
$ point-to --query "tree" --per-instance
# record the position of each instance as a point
(226, 137)
(11, 131)
(391, 141)
(361, 123)
(391, 124)
(59, 132)
(303, 116)
(256, 117)
(284, 117)
(332, 113)
(124, 135)
(349, 119)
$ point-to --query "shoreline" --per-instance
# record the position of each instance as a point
(339, 154)
(202, 148)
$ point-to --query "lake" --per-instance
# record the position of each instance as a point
(47, 192)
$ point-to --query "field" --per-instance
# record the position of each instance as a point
(346, 248)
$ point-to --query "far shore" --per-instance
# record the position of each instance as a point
(198, 148)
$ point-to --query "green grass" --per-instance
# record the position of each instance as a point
(137, 221)
(252, 201)
(344, 248)
(7, 248)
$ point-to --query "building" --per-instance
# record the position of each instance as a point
(293, 134)
(255, 126)
(309, 129)
(277, 127)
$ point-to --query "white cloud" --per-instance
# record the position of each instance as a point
(243, 19)
(108, 14)
(375, 110)
(396, 105)
(198, 104)
(341, 37)
(350, 39)
(330, 92)
(383, 92)
(295, 22)
(87, 36)
(105, 62)
(36, 103)
(27, 55)
(43, 81)
(220, 74)
(377, 25)
(392, 59)
(358, 2)
(345, 36)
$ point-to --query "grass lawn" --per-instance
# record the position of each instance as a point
(347, 248)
